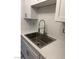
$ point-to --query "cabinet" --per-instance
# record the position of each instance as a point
(60, 11)
(27, 51)
(41, 57)
(32, 54)
(24, 49)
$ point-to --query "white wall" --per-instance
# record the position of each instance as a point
(27, 25)
(24, 25)
(53, 28)
(47, 13)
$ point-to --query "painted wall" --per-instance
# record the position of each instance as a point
(23, 23)
(48, 14)
(26, 25)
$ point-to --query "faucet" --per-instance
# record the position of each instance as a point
(44, 31)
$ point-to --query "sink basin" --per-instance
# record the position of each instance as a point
(39, 39)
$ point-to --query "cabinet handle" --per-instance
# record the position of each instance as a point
(22, 55)
(27, 53)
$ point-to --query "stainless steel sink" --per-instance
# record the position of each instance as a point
(39, 39)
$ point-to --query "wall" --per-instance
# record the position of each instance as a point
(26, 25)
(47, 13)
(53, 28)
(23, 23)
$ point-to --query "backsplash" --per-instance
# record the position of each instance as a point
(47, 13)
(53, 28)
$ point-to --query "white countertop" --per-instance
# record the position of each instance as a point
(54, 50)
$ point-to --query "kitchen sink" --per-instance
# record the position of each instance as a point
(40, 40)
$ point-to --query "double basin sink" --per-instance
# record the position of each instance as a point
(40, 40)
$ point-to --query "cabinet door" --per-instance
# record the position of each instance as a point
(41, 57)
(60, 11)
(24, 49)
(31, 53)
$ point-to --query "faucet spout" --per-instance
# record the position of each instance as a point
(44, 31)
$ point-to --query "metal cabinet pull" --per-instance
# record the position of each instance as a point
(27, 53)
(22, 55)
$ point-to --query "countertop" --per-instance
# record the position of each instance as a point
(54, 50)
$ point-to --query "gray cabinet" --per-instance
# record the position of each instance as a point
(32, 54)
(41, 57)
(24, 50)
(27, 51)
